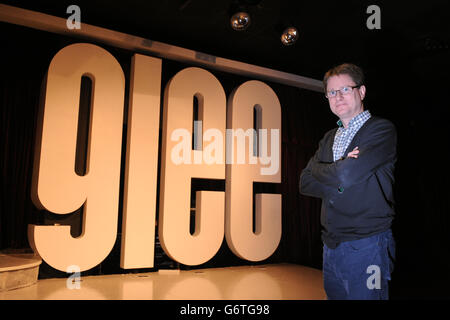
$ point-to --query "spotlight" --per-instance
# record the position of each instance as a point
(240, 21)
(289, 36)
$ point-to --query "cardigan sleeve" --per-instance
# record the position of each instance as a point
(309, 185)
(376, 148)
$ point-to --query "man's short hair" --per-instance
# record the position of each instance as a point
(355, 72)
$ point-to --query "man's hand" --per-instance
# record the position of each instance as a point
(354, 153)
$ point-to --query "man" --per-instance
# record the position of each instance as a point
(353, 173)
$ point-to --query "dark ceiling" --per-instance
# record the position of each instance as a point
(331, 32)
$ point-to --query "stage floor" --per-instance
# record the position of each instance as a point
(262, 282)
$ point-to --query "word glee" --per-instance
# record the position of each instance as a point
(58, 188)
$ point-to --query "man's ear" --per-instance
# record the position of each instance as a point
(362, 91)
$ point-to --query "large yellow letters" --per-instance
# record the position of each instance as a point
(175, 198)
(58, 188)
(241, 239)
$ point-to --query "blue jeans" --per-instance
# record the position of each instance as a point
(359, 269)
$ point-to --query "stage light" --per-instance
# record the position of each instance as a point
(240, 21)
(289, 36)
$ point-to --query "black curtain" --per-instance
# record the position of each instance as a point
(405, 84)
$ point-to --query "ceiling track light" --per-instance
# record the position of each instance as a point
(240, 21)
(289, 36)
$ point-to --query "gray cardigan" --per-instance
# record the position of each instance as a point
(357, 194)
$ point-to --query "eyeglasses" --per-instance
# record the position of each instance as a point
(344, 91)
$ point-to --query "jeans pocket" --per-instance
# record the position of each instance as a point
(363, 244)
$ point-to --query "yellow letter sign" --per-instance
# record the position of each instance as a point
(56, 186)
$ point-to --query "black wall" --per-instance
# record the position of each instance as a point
(407, 88)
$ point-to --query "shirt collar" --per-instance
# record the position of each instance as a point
(360, 116)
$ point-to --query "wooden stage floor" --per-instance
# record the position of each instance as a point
(262, 282)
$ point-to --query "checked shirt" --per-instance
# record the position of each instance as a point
(344, 136)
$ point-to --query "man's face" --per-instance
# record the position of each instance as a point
(345, 106)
